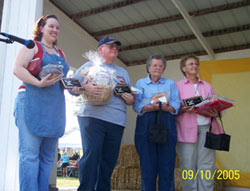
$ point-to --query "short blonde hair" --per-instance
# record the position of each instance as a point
(184, 60)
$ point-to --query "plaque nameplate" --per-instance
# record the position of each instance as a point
(69, 83)
(120, 89)
(189, 102)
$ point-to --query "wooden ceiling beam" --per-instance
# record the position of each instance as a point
(232, 48)
(157, 42)
(104, 8)
(200, 53)
(170, 57)
(186, 38)
(137, 25)
(194, 28)
(172, 18)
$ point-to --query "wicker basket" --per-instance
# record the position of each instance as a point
(99, 100)
(101, 77)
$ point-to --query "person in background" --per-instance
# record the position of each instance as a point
(39, 108)
(58, 155)
(156, 159)
(65, 164)
(102, 126)
(75, 156)
(192, 128)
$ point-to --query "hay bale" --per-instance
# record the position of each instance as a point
(128, 156)
(219, 184)
(177, 179)
(117, 179)
(126, 178)
(133, 178)
(127, 174)
(177, 162)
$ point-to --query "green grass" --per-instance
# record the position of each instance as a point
(66, 182)
(63, 182)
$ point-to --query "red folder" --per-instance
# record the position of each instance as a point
(217, 104)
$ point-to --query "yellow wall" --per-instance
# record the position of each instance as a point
(231, 78)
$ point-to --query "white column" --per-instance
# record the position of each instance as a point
(18, 19)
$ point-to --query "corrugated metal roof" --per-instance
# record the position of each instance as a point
(146, 27)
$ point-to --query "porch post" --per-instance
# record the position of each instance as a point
(18, 19)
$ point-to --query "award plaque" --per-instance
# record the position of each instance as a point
(189, 102)
(69, 83)
(122, 88)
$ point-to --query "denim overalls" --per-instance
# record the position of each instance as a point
(40, 118)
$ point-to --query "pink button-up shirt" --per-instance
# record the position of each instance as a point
(186, 123)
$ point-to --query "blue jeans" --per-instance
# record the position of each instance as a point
(156, 159)
(101, 145)
(36, 154)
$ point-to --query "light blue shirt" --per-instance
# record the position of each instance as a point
(114, 111)
(65, 159)
(149, 89)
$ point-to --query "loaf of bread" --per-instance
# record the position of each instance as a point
(54, 75)
(53, 69)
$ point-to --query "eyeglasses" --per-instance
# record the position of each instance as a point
(192, 64)
(111, 46)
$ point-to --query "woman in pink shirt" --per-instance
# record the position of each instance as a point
(192, 128)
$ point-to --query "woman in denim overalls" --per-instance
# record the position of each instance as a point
(39, 108)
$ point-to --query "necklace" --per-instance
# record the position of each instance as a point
(48, 46)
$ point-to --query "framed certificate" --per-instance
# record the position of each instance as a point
(189, 102)
(120, 89)
(69, 83)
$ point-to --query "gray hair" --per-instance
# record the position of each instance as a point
(184, 60)
(157, 57)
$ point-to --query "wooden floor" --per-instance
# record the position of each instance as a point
(75, 189)
(226, 189)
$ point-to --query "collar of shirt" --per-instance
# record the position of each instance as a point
(106, 65)
(188, 81)
(149, 81)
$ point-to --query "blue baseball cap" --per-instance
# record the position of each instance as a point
(108, 40)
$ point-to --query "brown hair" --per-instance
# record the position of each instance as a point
(184, 60)
(41, 22)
